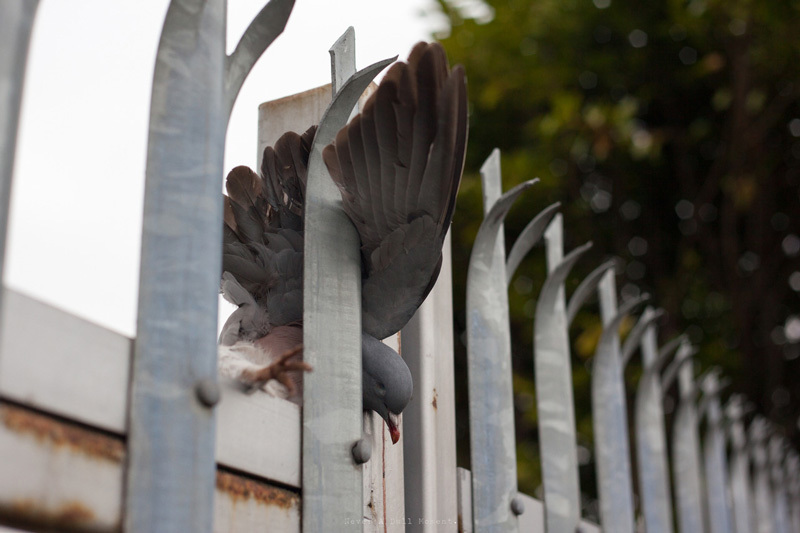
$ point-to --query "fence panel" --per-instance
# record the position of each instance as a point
(16, 25)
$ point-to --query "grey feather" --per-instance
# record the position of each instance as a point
(398, 167)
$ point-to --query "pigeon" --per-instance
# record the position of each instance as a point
(398, 167)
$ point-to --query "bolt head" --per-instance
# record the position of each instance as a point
(207, 392)
(517, 505)
(362, 451)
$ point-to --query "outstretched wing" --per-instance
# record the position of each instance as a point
(263, 235)
(398, 166)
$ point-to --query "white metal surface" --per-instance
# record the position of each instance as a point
(429, 440)
(80, 370)
(63, 364)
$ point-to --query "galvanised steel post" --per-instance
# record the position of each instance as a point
(793, 488)
(757, 435)
(741, 492)
(171, 468)
(651, 442)
(491, 403)
(16, 24)
(776, 459)
(554, 398)
(686, 461)
(332, 396)
(528, 238)
(715, 459)
(609, 416)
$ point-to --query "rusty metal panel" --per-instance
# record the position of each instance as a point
(58, 475)
(244, 505)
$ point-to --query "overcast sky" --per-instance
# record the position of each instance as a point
(79, 181)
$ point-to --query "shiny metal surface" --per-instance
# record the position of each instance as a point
(332, 415)
(493, 446)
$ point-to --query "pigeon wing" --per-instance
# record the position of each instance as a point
(398, 166)
(263, 235)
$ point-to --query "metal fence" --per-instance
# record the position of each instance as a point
(735, 477)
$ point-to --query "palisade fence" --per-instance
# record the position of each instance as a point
(103, 433)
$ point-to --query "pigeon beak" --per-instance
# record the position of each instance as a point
(393, 421)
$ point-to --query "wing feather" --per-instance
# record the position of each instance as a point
(398, 166)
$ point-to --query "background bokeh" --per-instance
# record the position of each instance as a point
(669, 131)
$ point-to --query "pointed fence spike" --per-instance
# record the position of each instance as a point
(739, 473)
(553, 373)
(528, 238)
(686, 456)
(586, 288)
(262, 31)
(651, 442)
(171, 466)
(683, 356)
(609, 415)
(633, 341)
(716, 469)
(332, 484)
(491, 405)
(762, 492)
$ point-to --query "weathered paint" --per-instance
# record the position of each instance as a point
(62, 475)
(243, 505)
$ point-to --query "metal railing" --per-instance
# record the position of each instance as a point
(735, 478)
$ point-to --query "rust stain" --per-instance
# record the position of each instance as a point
(57, 433)
(240, 488)
(435, 397)
(68, 514)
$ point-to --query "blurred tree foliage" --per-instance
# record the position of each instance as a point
(669, 131)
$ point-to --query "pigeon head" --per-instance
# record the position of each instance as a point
(387, 383)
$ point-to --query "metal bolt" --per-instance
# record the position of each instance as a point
(207, 392)
(517, 505)
(362, 451)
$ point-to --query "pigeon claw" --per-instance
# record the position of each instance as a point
(278, 370)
